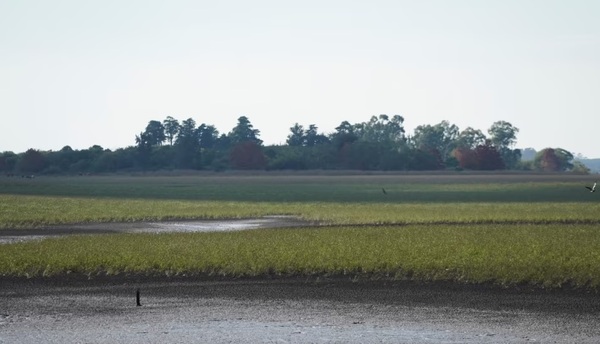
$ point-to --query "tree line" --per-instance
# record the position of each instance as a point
(380, 143)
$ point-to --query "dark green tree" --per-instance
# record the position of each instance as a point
(425, 159)
(144, 149)
(32, 161)
(208, 136)
(187, 145)
(296, 137)
(309, 137)
(61, 161)
(313, 138)
(244, 131)
(155, 133)
(382, 129)
(344, 134)
(503, 136)
(470, 138)
(8, 162)
(171, 126)
(440, 138)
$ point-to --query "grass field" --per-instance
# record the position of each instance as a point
(540, 230)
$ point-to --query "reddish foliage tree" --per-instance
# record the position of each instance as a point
(466, 158)
(488, 158)
(247, 156)
(483, 157)
(549, 161)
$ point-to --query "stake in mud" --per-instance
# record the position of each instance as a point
(137, 297)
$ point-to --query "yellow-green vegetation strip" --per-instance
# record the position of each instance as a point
(548, 256)
(34, 211)
(18, 211)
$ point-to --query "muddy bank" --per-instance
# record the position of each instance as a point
(288, 311)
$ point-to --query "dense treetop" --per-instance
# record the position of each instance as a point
(380, 143)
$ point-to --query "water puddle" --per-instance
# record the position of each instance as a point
(21, 235)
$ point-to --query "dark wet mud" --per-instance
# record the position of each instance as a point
(288, 311)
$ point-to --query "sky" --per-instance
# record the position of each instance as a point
(84, 73)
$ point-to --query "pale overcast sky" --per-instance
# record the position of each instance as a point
(83, 73)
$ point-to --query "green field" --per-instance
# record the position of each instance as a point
(507, 229)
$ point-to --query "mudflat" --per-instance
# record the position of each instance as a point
(75, 309)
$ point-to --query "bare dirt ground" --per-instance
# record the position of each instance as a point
(288, 310)
(104, 310)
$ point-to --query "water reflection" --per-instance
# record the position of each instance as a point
(21, 235)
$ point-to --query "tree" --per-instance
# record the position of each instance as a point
(503, 134)
(425, 159)
(488, 157)
(503, 137)
(313, 138)
(152, 136)
(482, 157)
(155, 133)
(470, 138)
(142, 141)
(466, 158)
(309, 137)
(171, 126)
(208, 136)
(344, 134)
(244, 131)
(441, 137)
(144, 149)
(248, 155)
(382, 129)
(553, 160)
(67, 157)
(579, 167)
(32, 161)
(296, 137)
(8, 161)
(187, 145)
(565, 157)
(361, 155)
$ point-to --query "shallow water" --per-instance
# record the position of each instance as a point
(20, 235)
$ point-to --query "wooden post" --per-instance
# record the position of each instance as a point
(137, 297)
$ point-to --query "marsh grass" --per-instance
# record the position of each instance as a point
(327, 199)
(501, 229)
(549, 256)
(18, 211)
(281, 188)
